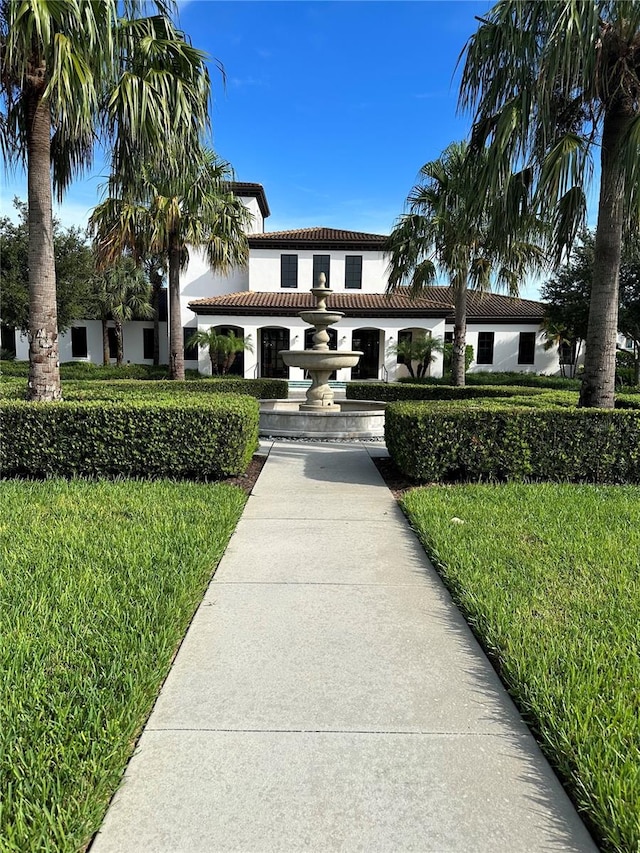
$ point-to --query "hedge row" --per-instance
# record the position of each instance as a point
(447, 441)
(187, 438)
(390, 391)
(133, 389)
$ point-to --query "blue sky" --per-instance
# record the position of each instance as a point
(333, 106)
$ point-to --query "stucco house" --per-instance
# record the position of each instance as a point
(263, 299)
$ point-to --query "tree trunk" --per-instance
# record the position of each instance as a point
(106, 356)
(176, 344)
(44, 366)
(598, 384)
(458, 367)
(156, 285)
(119, 345)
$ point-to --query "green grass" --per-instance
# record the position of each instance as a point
(549, 578)
(98, 582)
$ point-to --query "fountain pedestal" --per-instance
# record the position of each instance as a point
(320, 361)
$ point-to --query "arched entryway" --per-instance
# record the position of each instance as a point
(272, 341)
(232, 365)
(368, 342)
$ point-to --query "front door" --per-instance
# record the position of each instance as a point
(272, 342)
(368, 342)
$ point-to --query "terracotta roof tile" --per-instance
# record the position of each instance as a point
(315, 237)
(436, 301)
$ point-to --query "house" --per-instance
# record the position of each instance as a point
(262, 301)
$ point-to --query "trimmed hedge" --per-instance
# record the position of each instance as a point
(389, 391)
(503, 377)
(134, 389)
(448, 441)
(193, 438)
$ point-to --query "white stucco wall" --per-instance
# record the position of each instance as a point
(505, 349)
(264, 270)
(388, 329)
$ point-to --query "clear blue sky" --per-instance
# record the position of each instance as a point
(333, 106)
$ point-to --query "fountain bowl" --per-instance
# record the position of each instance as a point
(355, 419)
(329, 359)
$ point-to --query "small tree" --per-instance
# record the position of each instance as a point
(123, 294)
(223, 348)
(421, 349)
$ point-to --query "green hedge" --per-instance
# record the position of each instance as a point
(448, 441)
(191, 438)
(504, 377)
(390, 391)
(133, 389)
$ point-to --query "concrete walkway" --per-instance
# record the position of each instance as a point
(328, 695)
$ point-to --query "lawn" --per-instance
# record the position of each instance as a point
(549, 578)
(98, 582)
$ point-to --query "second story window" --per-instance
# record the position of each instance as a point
(353, 272)
(321, 264)
(288, 271)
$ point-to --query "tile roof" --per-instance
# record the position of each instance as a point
(334, 238)
(436, 302)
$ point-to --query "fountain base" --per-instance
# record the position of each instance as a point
(348, 420)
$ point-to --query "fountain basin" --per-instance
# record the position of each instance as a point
(321, 318)
(329, 359)
(356, 419)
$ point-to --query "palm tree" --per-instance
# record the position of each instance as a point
(124, 294)
(444, 230)
(168, 209)
(422, 348)
(70, 71)
(223, 347)
(547, 83)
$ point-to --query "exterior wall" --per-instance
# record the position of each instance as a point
(132, 343)
(388, 368)
(257, 225)
(505, 349)
(264, 270)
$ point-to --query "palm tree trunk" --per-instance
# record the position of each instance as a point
(598, 384)
(459, 334)
(44, 367)
(156, 285)
(119, 343)
(176, 345)
(106, 359)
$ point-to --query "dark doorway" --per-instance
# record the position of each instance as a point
(333, 343)
(8, 341)
(272, 342)
(368, 342)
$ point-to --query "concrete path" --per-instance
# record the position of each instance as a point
(328, 695)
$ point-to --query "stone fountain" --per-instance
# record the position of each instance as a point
(319, 416)
(320, 361)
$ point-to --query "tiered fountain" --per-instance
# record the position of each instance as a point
(320, 416)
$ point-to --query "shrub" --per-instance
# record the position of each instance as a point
(390, 391)
(194, 437)
(449, 441)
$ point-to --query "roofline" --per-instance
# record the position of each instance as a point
(265, 241)
(294, 311)
(242, 189)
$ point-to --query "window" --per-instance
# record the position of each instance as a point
(190, 350)
(321, 264)
(288, 270)
(147, 343)
(78, 342)
(402, 337)
(448, 337)
(8, 340)
(485, 348)
(527, 348)
(353, 272)
(113, 342)
(567, 352)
